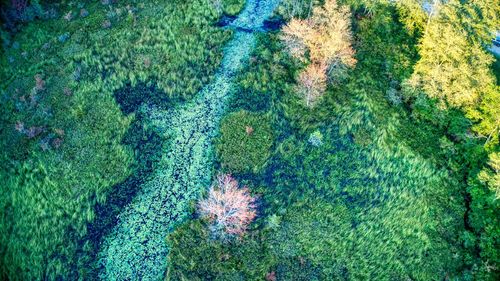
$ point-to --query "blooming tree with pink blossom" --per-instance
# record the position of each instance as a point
(228, 208)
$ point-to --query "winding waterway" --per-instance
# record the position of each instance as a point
(136, 248)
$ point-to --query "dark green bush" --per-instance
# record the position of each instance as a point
(245, 142)
(194, 256)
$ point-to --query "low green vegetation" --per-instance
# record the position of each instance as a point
(245, 142)
(329, 203)
(136, 248)
(231, 7)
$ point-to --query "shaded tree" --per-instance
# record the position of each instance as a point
(484, 218)
(415, 14)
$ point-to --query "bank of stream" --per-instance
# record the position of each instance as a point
(135, 249)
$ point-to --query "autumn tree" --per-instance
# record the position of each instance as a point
(323, 40)
(294, 36)
(228, 208)
(312, 83)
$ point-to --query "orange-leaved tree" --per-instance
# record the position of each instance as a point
(228, 208)
(326, 38)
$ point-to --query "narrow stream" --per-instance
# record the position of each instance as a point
(136, 248)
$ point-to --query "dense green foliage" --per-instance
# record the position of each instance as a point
(245, 142)
(485, 218)
(212, 259)
(110, 133)
(231, 7)
(377, 198)
(456, 69)
(388, 193)
(136, 246)
(61, 141)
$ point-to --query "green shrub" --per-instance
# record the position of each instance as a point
(195, 256)
(245, 142)
(484, 217)
(233, 7)
(260, 86)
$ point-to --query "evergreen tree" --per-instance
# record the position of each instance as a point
(454, 66)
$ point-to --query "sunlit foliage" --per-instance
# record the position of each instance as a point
(446, 70)
(326, 38)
